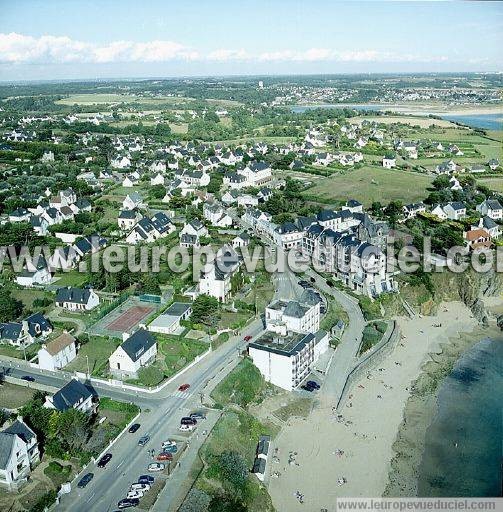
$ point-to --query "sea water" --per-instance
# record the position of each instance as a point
(463, 448)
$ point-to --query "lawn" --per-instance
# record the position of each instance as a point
(13, 396)
(10, 351)
(177, 352)
(369, 184)
(27, 296)
(71, 278)
(495, 184)
(97, 350)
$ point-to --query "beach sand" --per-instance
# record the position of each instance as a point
(370, 426)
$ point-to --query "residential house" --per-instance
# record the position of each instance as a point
(57, 353)
(493, 164)
(35, 273)
(389, 161)
(77, 299)
(411, 210)
(488, 224)
(216, 215)
(492, 208)
(22, 334)
(73, 395)
(19, 453)
(241, 240)
(455, 210)
(151, 229)
(138, 350)
(132, 201)
(477, 239)
(215, 278)
(127, 219)
(168, 322)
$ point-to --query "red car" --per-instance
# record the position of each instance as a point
(247, 338)
(184, 387)
(165, 456)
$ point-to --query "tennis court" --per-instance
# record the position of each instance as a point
(129, 318)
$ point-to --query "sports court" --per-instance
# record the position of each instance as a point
(130, 318)
(124, 318)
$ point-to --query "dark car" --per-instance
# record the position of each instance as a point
(128, 502)
(133, 428)
(247, 338)
(312, 279)
(304, 284)
(305, 387)
(28, 378)
(313, 384)
(188, 421)
(146, 479)
(104, 460)
(197, 416)
(85, 480)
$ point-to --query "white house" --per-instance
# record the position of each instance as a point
(77, 299)
(121, 162)
(389, 161)
(19, 453)
(215, 279)
(57, 353)
(132, 201)
(286, 361)
(169, 321)
(137, 350)
(151, 229)
(216, 215)
(158, 179)
(439, 212)
(35, 273)
(455, 210)
(127, 219)
(22, 334)
(195, 227)
(73, 395)
(300, 316)
(492, 208)
(241, 240)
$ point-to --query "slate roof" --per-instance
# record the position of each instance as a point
(138, 343)
(177, 309)
(74, 295)
(21, 430)
(6, 446)
(70, 394)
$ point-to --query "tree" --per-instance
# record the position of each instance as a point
(196, 501)
(205, 310)
(150, 284)
(157, 191)
(10, 307)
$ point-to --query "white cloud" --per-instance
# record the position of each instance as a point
(19, 48)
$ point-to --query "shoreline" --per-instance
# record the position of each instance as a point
(370, 421)
(421, 408)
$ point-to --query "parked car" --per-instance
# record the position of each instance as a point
(104, 460)
(304, 284)
(28, 378)
(184, 387)
(164, 456)
(187, 420)
(156, 466)
(146, 479)
(133, 428)
(143, 440)
(169, 442)
(305, 387)
(312, 279)
(131, 495)
(186, 428)
(197, 416)
(313, 384)
(140, 487)
(128, 503)
(248, 337)
(170, 449)
(85, 480)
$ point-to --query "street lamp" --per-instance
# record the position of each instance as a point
(88, 372)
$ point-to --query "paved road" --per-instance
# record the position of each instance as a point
(345, 357)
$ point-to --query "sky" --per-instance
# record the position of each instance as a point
(73, 39)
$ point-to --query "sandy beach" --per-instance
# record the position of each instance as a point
(371, 420)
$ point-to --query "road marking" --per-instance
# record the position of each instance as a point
(120, 464)
(90, 498)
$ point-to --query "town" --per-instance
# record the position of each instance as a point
(164, 392)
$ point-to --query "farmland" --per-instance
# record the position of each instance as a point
(371, 183)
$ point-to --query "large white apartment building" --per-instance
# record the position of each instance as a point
(286, 361)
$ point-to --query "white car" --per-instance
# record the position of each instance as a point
(156, 466)
(167, 443)
(134, 494)
(186, 428)
(140, 487)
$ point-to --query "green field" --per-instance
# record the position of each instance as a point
(71, 278)
(178, 352)
(97, 351)
(495, 184)
(370, 184)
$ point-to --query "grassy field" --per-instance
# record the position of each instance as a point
(97, 350)
(13, 396)
(243, 386)
(71, 278)
(28, 296)
(495, 184)
(178, 352)
(370, 184)
(423, 122)
(10, 351)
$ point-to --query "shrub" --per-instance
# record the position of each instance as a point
(150, 376)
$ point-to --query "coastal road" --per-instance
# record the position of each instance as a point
(345, 357)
